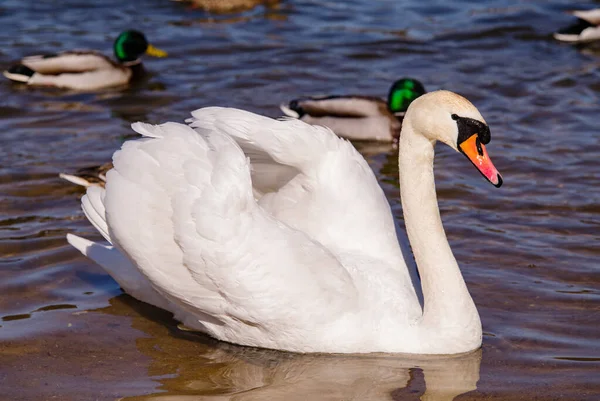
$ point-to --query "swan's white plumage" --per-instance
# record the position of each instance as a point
(260, 232)
(182, 206)
(93, 208)
(328, 190)
(120, 268)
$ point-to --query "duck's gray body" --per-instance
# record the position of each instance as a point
(353, 117)
(78, 70)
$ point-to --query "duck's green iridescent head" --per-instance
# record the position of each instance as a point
(402, 93)
(131, 45)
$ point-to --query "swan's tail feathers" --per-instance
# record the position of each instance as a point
(106, 256)
(92, 204)
(290, 142)
(288, 111)
(120, 269)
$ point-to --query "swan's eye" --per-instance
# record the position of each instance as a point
(479, 147)
(467, 127)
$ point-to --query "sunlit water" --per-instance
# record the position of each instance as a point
(529, 250)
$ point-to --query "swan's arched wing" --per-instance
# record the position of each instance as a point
(329, 190)
(180, 205)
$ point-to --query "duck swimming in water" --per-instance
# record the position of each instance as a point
(359, 117)
(88, 69)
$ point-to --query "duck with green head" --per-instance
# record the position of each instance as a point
(359, 117)
(86, 70)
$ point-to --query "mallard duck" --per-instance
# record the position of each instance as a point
(586, 29)
(359, 117)
(86, 70)
(276, 234)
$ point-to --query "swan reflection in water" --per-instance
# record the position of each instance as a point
(192, 367)
(310, 377)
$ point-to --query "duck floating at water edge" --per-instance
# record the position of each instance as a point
(359, 117)
(87, 69)
(276, 234)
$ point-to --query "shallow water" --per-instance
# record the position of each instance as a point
(529, 250)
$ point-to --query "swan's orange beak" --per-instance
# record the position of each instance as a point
(476, 152)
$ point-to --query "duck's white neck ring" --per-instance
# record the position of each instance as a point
(131, 63)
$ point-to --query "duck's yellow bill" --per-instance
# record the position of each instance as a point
(476, 152)
(155, 52)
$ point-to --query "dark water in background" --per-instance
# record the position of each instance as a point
(529, 250)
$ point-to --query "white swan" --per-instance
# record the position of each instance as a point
(276, 234)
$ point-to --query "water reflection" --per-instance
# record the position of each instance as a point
(589, 49)
(228, 6)
(190, 366)
(271, 10)
(227, 376)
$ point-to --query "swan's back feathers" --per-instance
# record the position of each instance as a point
(138, 191)
(107, 256)
(324, 177)
(180, 205)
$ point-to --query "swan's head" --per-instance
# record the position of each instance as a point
(450, 118)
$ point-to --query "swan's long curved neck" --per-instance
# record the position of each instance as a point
(448, 307)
